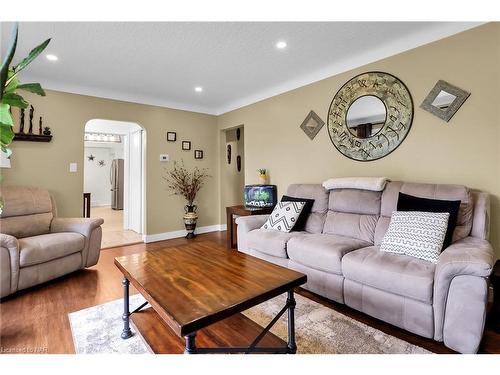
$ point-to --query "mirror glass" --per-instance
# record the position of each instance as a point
(366, 116)
(443, 100)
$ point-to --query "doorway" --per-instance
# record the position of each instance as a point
(114, 177)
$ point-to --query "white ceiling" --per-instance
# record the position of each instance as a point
(160, 63)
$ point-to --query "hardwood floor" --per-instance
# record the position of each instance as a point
(36, 320)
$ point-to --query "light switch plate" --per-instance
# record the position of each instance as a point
(164, 157)
(73, 167)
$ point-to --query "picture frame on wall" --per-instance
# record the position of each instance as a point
(171, 136)
(186, 145)
(198, 154)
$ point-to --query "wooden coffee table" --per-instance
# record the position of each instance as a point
(194, 286)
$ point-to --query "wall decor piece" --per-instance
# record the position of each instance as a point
(102, 163)
(42, 136)
(444, 100)
(312, 124)
(198, 154)
(238, 163)
(370, 116)
(171, 136)
(46, 131)
(91, 157)
(21, 121)
(186, 145)
(238, 134)
(228, 154)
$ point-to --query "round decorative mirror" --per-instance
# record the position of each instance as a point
(370, 116)
(366, 116)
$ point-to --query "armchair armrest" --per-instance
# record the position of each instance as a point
(9, 264)
(470, 256)
(89, 228)
(247, 224)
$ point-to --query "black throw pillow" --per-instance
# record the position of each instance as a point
(300, 225)
(410, 203)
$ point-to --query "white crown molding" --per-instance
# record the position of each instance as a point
(147, 238)
(392, 48)
(379, 52)
(116, 95)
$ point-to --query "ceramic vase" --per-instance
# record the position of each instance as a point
(190, 219)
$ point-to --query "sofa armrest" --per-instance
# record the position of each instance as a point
(247, 224)
(90, 228)
(9, 264)
(470, 256)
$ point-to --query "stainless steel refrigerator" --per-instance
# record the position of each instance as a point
(116, 179)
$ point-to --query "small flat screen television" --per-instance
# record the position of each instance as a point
(260, 196)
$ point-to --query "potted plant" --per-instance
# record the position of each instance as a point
(262, 176)
(187, 184)
(9, 84)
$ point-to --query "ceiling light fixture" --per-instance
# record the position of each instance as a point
(281, 44)
(51, 57)
(198, 89)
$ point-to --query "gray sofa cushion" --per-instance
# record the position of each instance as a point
(431, 191)
(316, 219)
(46, 247)
(271, 242)
(398, 274)
(323, 252)
(357, 226)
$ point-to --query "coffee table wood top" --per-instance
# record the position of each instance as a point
(193, 286)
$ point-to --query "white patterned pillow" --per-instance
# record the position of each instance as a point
(417, 234)
(284, 216)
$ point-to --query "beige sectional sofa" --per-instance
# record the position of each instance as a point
(339, 252)
(36, 245)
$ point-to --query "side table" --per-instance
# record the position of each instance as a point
(240, 210)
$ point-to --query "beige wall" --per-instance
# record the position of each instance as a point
(232, 182)
(464, 151)
(47, 164)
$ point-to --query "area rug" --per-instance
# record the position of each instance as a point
(318, 330)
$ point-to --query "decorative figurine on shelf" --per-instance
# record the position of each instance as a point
(46, 130)
(30, 130)
(21, 122)
(40, 126)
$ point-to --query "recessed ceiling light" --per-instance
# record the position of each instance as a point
(281, 44)
(52, 57)
(198, 89)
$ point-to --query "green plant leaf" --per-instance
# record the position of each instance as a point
(31, 56)
(35, 88)
(13, 82)
(4, 69)
(6, 135)
(15, 100)
(5, 116)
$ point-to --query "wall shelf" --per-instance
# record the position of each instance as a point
(32, 137)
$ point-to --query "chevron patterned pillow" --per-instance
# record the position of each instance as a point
(284, 216)
(417, 234)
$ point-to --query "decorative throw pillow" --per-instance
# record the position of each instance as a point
(417, 234)
(284, 216)
(411, 203)
(300, 225)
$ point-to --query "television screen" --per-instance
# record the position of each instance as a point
(260, 195)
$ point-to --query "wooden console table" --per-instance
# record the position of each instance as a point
(240, 211)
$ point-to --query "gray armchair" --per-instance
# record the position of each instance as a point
(36, 246)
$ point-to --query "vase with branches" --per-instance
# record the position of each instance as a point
(186, 183)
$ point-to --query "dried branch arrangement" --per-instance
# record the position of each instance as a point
(184, 182)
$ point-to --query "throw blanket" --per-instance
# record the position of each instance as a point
(361, 183)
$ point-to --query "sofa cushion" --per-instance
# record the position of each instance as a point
(394, 273)
(46, 247)
(431, 191)
(361, 227)
(271, 242)
(284, 216)
(323, 252)
(316, 219)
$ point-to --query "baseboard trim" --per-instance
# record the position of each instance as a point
(148, 238)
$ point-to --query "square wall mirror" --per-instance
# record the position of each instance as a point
(444, 100)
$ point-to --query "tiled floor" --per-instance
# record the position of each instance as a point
(112, 229)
